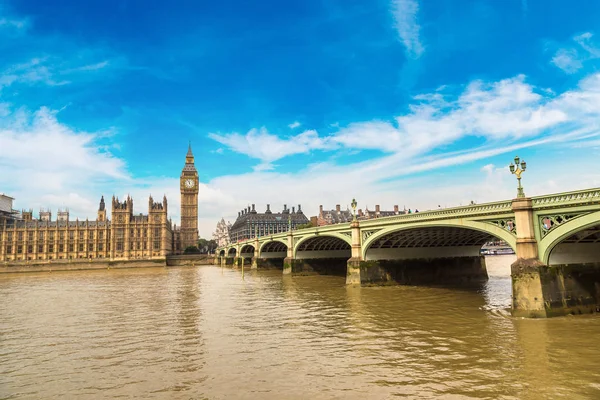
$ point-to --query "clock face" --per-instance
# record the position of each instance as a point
(189, 183)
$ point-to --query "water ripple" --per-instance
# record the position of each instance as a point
(206, 333)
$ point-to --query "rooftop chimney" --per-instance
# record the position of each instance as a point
(377, 209)
(337, 208)
(253, 210)
(293, 210)
(395, 209)
(299, 209)
(321, 209)
(268, 209)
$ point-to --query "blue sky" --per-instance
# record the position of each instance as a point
(315, 102)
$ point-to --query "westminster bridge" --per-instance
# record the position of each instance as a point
(556, 239)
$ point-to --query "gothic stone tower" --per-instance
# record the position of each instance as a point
(189, 202)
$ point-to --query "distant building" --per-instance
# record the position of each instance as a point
(250, 223)
(221, 233)
(339, 216)
(377, 213)
(127, 236)
(6, 209)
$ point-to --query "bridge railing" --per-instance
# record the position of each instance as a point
(469, 210)
(587, 196)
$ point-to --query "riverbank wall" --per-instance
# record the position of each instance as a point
(92, 264)
(190, 260)
(78, 265)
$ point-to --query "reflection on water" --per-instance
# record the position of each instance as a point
(204, 332)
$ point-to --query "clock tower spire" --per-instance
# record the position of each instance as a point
(188, 183)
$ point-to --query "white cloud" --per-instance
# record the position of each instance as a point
(294, 125)
(37, 70)
(46, 163)
(13, 23)
(44, 70)
(261, 145)
(505, 110)
(89, 67)
(571, 59)
(405, 17)
(567, 60)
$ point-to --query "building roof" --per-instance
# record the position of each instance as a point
(335, 217)
(280, 217)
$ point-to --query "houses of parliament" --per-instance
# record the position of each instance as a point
(125, 236)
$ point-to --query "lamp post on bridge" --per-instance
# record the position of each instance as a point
(517, 169)
(353, 205)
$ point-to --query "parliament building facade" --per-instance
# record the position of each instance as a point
(125, 236)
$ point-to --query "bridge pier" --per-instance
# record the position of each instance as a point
(460, 271)
(541, 290)
(238, 262)
(353, 264)
(288, 261)
(318, 266)
(269, 263)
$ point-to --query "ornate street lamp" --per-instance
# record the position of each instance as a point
(289, 223)
(517, 169)
(353, 204)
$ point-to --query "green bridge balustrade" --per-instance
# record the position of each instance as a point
(556, 239)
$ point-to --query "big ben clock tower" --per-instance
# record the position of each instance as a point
(189, 202)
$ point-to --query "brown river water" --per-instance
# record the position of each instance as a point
(204, 333)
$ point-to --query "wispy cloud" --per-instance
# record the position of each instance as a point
(45, 70)
(572, 58)
(294, 125)
(13, 23)
(89, 67)
(505, 115)
(405, 17)
(266, 147)
(33, 71)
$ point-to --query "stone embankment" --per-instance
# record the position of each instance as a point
(77, 265)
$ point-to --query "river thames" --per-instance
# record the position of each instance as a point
(204, 333)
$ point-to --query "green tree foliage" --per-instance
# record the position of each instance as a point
(191, 250)
(207, 246)
(304, 226)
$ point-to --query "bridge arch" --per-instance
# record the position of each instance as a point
(468, 233)
(330, 244)
(273, 248)
(222, 253)
(232, 252)
(568, 233)
(247, 248)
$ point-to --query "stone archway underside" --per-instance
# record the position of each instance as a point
(247, 249)
(589, 235)
(580, 247)
(323, 243)
(429, 242)
(433, 237)
(273, 247)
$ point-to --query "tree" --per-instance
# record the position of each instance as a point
(304, 226)
(191, 250)
(207, 246)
